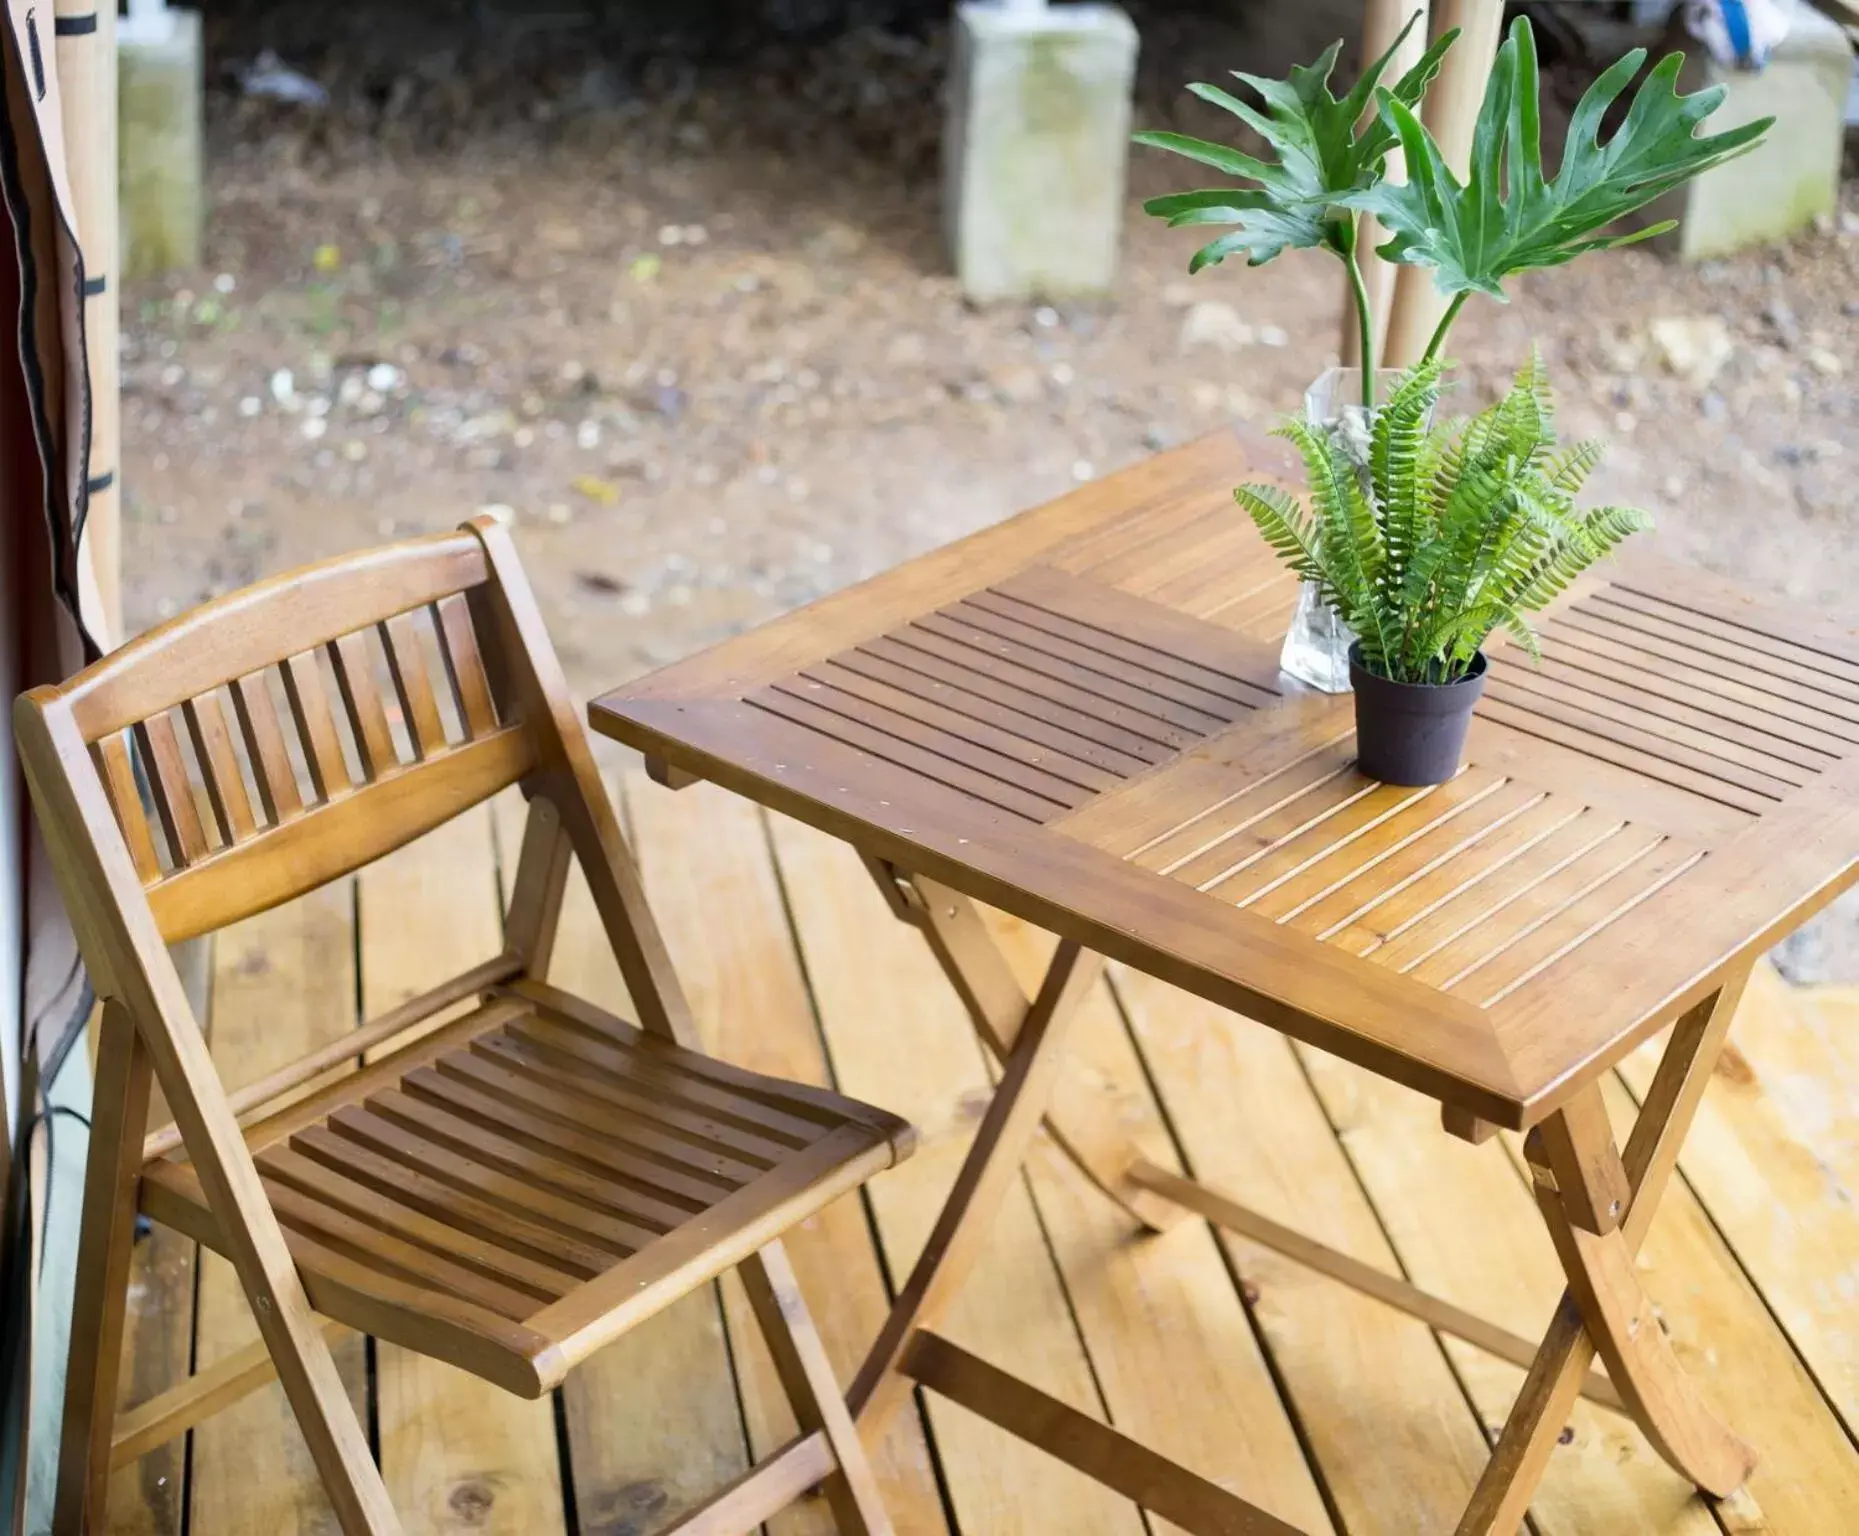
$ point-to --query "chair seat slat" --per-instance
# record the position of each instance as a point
(482, 1256)
(458, 1209)
(391, 1254)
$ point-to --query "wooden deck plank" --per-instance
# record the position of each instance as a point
(455, 1450)
(1396, 1445)
(1170, 1343)
(654, 1425)
(898, 1037)
(1807, 1477)
(283, 984)
(704, 852)
(1466, 1229)
(1774, 1158)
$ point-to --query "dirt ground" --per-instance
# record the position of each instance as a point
(683, 312)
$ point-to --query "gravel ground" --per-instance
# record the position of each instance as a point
(686, 317)
(665, 286)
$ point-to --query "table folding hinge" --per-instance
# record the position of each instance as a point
(898, 889)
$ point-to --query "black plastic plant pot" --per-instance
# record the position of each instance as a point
(1412, 733)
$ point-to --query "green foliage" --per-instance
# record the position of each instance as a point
(1508, 217)
(1324, 150)
(1448, 533)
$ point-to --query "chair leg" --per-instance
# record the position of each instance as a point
(119, 1119)
(807, 1377)
(536, 894)
(261, 1258)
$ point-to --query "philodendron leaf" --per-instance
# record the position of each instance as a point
(1323, 147)
(1508, 217)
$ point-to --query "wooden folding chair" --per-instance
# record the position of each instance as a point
(509, 1189)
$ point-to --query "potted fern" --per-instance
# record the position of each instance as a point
(1454, 532)
(1420, 542)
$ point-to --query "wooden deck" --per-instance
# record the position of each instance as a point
(1318, 1403)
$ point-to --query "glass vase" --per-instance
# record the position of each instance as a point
(1316, 648)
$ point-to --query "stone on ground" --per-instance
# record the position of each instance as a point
(159, 105)
(1792, 178)
(1035, 148)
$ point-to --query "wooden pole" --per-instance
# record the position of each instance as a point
(86, 61)
(1451, 112)
(1382, 21)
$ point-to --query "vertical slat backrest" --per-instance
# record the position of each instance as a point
(173, 790)
(265, 750)
(289, 733)
(119, 782)
(225, 775)
(419, 706)
(304, 794)
(367, 715)
(316, 726)
(464, 667)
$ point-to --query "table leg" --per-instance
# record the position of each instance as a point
(1013, 1115)
(1620, 1319)
(998, 1007)
(1542, 1408)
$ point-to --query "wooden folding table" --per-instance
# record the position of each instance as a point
(1078, 717)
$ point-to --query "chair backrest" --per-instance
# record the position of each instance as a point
(292, 732)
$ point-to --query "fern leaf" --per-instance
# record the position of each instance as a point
(1285, 527)
(1607, 526)
(1568, 471)
(1450, 533)
(1520, 629)
(1397, 450)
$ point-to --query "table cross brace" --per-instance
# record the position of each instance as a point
(1596, 1201)
(997, 1006)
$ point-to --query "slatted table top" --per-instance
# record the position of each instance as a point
(1077, 716)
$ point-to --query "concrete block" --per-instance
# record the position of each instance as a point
(159, 156)
(1793, 178)
(1036, 147)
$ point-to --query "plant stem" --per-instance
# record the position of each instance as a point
(1365, 319)
(1445, 324)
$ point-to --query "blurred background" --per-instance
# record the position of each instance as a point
(663, 281)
